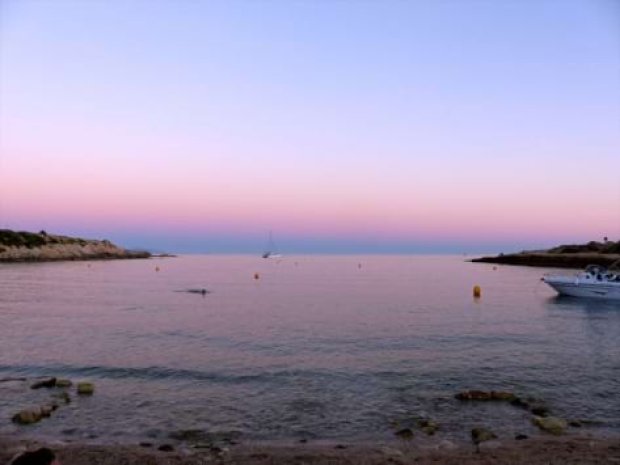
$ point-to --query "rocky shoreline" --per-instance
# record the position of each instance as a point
(22, 246)
(564, 256)
(566, 450)
(419, 440)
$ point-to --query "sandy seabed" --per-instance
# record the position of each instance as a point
(577, 450)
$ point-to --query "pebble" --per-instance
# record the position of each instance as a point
(85, 389)
(551, 425)
(404, 433)
(446, 445)
(63, 383)
(390, 451)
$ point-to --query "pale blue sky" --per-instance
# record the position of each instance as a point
(466, 106)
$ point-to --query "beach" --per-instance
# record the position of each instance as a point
(577, 450)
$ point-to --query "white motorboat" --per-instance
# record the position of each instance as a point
(595, 281)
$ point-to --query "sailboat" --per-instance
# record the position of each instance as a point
(272, 250)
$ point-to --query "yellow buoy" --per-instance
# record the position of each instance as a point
(256, 276)
(477, 291)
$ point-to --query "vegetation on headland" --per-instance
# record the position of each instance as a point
(24, 246)
(563, 256)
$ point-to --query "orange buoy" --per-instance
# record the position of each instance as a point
(156, 268)
(256, 276)
(477, 291)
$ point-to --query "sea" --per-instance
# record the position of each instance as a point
(303, 348)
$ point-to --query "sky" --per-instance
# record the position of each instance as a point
(345, 126)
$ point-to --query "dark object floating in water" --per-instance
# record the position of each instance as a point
(201, 291)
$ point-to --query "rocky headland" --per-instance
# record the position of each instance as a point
(563, 256)
(22, 246)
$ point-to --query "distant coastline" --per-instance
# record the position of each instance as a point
(563, 256)
(23, 246)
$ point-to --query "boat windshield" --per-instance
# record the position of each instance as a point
(595, 269)
(615, 267)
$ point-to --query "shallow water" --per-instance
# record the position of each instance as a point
(325, 347)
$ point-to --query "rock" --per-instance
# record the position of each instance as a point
(428, 426)
(446, 445)
(552, 425)
(190, 435)
(479, 435)
(85, 389)
(429, 430)
(575, 423)
(564, 256)
(146, 444)
(404, 433)
(521, 437)
(502, 395)
(32, 247)
(64, 396)
(484, 395)
(166, 448)
(540, 411)
(490, 445)
(392, 452)
(9, 380)
(63, 383)
(473, 395)
(47, 410)
(202, 445)
(340, 446)
(219, 451)
(520, 403)
(46, 383)
(27, 417)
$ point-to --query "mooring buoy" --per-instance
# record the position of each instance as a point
(477, 291)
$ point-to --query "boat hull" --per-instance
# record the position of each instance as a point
(590, 290)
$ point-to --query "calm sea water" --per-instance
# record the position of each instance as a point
(327, 347)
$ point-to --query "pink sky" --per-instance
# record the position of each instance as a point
(445, 125)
